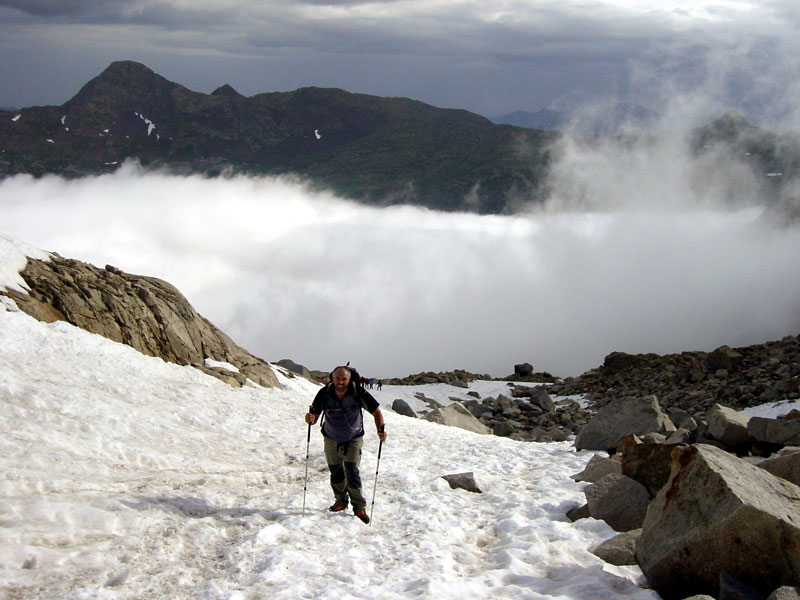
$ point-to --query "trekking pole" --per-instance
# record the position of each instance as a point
(305, 484)
(375, 487)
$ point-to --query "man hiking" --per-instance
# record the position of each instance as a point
(341, 402)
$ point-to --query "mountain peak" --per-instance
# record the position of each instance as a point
(226, 90)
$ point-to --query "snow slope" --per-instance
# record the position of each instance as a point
(122, 476)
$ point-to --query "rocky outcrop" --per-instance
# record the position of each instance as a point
(715, 515)
(695, 381)
(720, 515)
(145, 313)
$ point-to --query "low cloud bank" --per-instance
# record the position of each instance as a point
(291, 273)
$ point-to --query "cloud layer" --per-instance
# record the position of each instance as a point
(489, 58)
(631, 254)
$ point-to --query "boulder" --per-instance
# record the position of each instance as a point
(785, 592)
(649, 464)
(727, 426)
(463, 481)
(723, 358)
(455, 415)
(620, 418)
(597, 468)
(523, 370)
(619, 501)
(579, 512)
(619, 549)
(539, 397)
(782, 432)
(401, 407)
(503, 429)
(719, 515)
(785, 465)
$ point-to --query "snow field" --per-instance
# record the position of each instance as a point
(125, 477)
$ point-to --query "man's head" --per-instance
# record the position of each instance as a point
(341, 379)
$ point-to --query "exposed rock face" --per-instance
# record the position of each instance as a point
(146, 313)
(621, 418)
(720, 515)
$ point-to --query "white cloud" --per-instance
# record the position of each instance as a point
(290, 273)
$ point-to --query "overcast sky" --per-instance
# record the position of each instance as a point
(488, 57)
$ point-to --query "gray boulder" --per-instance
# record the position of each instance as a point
(463, 481)
(785, 593)
(145, 313)
(619, 549)
(523, 370)
(719, 515)
(649, 464)
(619, 501)
(785, 465)
(723, 358)
(782, 432)
(597, 468)
(620, 418)
(401, 407)
(727, 425)
(455, 415)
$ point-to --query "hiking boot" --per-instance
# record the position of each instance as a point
(337, 506)
(361, 514)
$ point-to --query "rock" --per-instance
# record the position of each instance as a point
(145, 313)
(542, 399)
(455, 415)
(724, 358)
(292, 366)
(728, 426)
(463, 481)
(597, 468)
(619, 501)
(618, 550)
(786, 466)
(579, 512)
(621, 418)
(783, 432)
(524, 369)
(401, 407)
(503, 429)
(731, 588)
(719, 515)
(618, 362)
(649, 464)
(785, 593)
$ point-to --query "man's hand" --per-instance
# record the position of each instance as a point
(311, 418)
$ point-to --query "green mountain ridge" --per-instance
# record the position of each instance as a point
(376, 150)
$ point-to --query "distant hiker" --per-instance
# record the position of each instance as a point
(380, 384)
(341, 402)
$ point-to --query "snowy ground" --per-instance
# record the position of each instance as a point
(125, 477)
(122, 476)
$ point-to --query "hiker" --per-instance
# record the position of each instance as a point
(341, 402)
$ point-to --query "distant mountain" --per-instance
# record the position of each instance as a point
(603, 120)
(377, 150)
(546, 119)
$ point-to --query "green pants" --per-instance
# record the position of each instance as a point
(343, 462)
